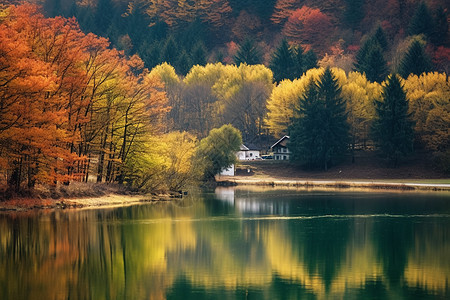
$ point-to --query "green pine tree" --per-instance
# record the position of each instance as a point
(170, 52)
(380, 36)
(354, 12)
(319, 136)
(283, 62)
(422, 21)
(392, 127)
(299, 61)
(439, 36)
(184, 63)
(415, 61)
(198, 56)
(375, 66)
(309, 60)
(248, 53)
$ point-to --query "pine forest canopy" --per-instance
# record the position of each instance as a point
(185, 33)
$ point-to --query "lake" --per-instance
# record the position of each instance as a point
(234, 243)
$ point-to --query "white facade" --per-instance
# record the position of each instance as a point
(246, 154)
(228, 171)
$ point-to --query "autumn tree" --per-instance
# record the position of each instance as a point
(393, 127)
(428, 96)
(283, 9)
(218, 150)
(309, 27)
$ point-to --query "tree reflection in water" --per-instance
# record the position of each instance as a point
(232, 244)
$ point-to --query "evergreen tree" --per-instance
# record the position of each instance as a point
(354, 12)
(299, 61)
(309, 60)
(319, 135)
(104, 14)
(170, 52)
(439, 35)
(248, 53)
(198, 56)
(375, 66)
(392, 127)
(380, 36)
(184, 63)
(283, 63)
(370, 60)
(422, 21)
(415, 61)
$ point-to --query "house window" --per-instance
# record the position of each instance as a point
(284, 157)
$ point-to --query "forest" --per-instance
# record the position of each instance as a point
(140, 92)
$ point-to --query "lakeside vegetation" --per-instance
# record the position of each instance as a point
(78, 107)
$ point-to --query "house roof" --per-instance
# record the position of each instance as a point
(243, 148)
(281, 142)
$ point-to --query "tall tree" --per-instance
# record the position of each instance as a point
(393, 127)
(422, 21)
(415, 61)
(370, 60)
(354, 12)
(320, 133)
(310, 60)
(439, 36)
(375, 66)
(283, 62)
(249, 53)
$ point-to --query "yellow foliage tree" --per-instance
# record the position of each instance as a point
(429, 104)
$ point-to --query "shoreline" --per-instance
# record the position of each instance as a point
(338, 184)
(102, 201)
(113, 200)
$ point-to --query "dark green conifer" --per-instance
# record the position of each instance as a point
(439, 36)
(380, 36)
(393, 128)
(248, 53)
(422, 21)
(415, 61)
(104, 14)
(319, 136)
(299, 60)
(198, 56)
(283, 63)
(354, 12)
(375, 66)
(170, 52)
(184, 63)
(310, 60)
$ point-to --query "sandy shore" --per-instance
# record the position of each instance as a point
(341, 184)
(106, 201)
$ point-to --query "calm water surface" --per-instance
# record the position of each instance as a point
(234, 244)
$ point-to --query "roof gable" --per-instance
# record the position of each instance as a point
(281, 142)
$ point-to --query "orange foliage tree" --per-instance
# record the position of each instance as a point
(310, 28)
(56, 83)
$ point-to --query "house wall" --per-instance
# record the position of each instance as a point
(228, 171)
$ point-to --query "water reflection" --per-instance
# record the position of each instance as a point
(233, 244)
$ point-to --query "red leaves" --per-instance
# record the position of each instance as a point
(309, 27)
(52, 78)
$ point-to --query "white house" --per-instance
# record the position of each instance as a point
(248, 153)
(280, 149)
